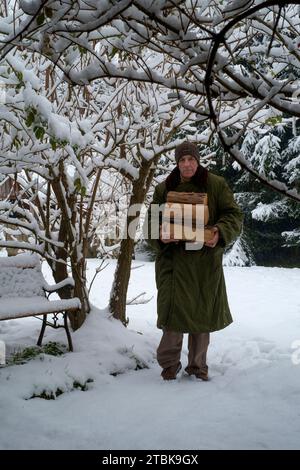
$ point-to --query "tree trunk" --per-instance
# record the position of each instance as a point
(78, 266)
(118, 295)
(117, 304)
(80, 291)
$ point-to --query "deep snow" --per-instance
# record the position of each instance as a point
(251, 402)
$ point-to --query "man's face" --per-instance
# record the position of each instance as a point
(187, 166)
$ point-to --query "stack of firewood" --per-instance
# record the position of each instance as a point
(185, 217)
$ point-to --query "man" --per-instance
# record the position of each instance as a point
(191, 287)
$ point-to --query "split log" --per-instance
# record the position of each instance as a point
(186, 232)
(187, 198)
(188, 213)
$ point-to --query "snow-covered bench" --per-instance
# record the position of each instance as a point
(25, 293)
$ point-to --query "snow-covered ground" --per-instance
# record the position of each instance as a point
(251, 402)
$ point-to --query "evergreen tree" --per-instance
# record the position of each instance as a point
(271, 234)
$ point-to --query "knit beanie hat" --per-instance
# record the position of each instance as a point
(186, 148)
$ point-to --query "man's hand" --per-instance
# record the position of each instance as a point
(212, 243)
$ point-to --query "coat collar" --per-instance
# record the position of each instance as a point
(199, 179)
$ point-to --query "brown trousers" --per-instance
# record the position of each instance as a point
(169, 349)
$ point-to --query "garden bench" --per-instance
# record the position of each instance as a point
(25, 293)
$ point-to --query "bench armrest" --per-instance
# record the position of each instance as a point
(69, 281)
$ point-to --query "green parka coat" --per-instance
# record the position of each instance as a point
(191, 287)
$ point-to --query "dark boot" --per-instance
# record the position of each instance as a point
(199, 373)
(170, 373)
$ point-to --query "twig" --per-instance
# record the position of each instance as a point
(133, 301)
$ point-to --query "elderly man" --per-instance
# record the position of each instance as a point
(191, 287)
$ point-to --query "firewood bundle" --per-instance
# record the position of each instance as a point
(187, 198)
(185, 217)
